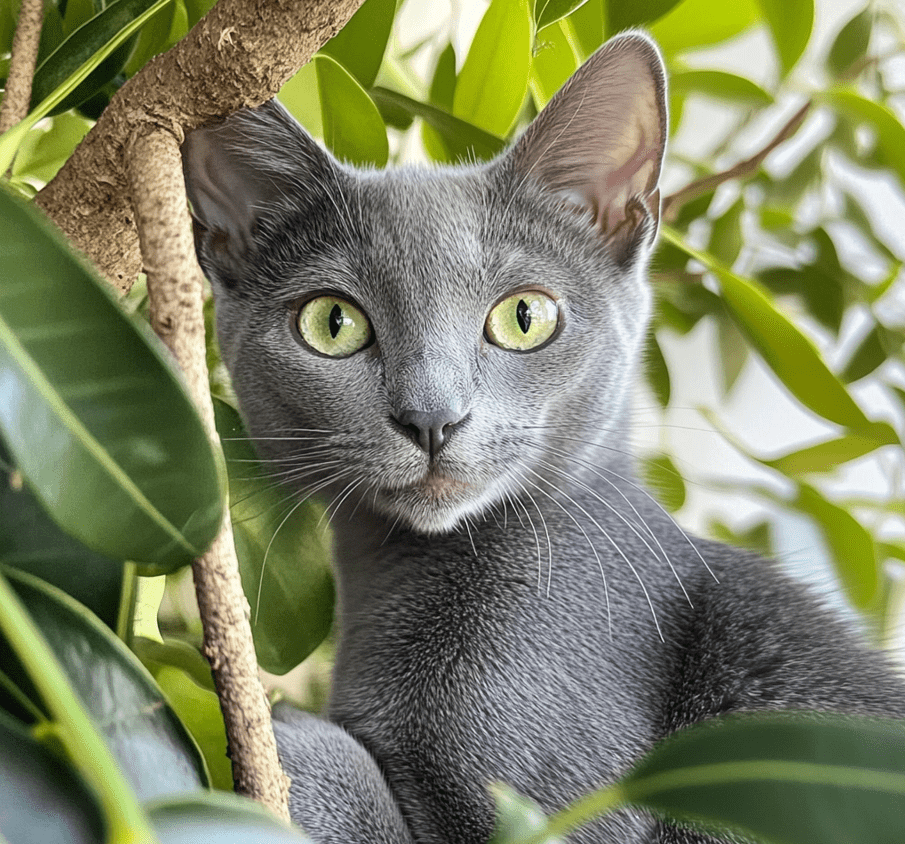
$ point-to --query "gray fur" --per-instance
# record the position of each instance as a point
(516, 619)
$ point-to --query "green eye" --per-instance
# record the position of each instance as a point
(333, 326)
(523, 321)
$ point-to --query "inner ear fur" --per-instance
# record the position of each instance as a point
(599, 143)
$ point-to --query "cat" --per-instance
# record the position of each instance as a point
(447, 356)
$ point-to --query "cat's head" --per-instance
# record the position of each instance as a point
(423, 341)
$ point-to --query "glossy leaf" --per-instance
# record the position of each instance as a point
(31, 542)
(555, 60)
(42, 799)
(494, 78)
(353, 128)
(664, 480)
(790, 23)
(463, 140)
(153, 749)
(622, 14)
(550, 11)
(284, 556)
(719, 85)
(300, 95)
(791, 355)
(588, 23)
(91, 410)
(698, 23)
(850, 45)
(359, 46)
(441, 93)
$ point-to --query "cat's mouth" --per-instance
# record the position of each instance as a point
(435, 486)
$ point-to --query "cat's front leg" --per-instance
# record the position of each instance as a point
(338, 794)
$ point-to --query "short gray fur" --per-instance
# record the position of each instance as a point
(506, 607)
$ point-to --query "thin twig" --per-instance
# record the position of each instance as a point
(157, 187)
(22, 64)
(673, 203)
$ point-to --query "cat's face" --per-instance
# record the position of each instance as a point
(422, 342)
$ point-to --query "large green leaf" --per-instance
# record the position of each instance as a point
(360, 44)
(555, 60)
(43, 800)
(353, 128)
(829, 455)
(301, 97)
(463, 140)
(30, 541)
(494, 78)
(699, 23)
(791, 355)
(664, 480)
(92, 411)
(442, 90)
(42, 154)
(550, 11)
(790, 23)
(284, 555)
(719, 85)
(622, 14)
(153, 748)
(588, 22)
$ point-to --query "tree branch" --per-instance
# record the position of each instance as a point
(175, 290)
(673, 203)
(240, 54)
(22, 61)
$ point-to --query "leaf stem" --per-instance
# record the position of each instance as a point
(585, 809)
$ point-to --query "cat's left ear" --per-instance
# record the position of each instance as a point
(599, 142)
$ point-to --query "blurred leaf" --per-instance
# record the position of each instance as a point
(43, 153)
(797, 779)
(217, 818)
(790, 23)
(284, 556)
(518, 818)
(664, 480)
(829, 455)
(791, 355)
(588, 23)
(185, 680)
(871, 352)
(494, 78)
(462, 140)
(92, 411)
(155, 752)
(852, 546)
(160, 33)
(550, 11)
(300, 95)
(756, 538)
(8, 15)
(850, 45)
(787, 190)
(441, 94)
(353, 128)
(692, 210)
(554, 62)
(698, 23)
(733, 352)
(719, 85)
(726, 239)
(31, 542)
(623, 14)
(657, 370)
(44, 800)
(359, 46)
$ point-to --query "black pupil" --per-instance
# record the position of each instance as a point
(335, 320)
(523, 315)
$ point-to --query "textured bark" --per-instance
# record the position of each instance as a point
(154, 176)
(240, 54)
(22, 64)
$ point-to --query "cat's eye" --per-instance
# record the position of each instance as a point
(523, 321)
(333, 326)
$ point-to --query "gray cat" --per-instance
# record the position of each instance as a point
(447, 355)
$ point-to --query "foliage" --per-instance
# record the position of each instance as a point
(786, 268)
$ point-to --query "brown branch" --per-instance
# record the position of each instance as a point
(239, 54)
(673, 203)
(22, 61)
(157, 188)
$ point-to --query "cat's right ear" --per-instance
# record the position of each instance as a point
(239, 169)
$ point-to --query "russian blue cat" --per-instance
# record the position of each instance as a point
(447, 356)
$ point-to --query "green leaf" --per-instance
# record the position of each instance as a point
(518, 818)
(300, 95)
(829, 455)
(853, 549)
(79, 47)
(850, 45)
(588, 23)
(874, 350)
(44, 800)
(218, 818)
(463, 140)
(92, 412)
(726, 239)
(790, 23)
(494, 78)
(31, 542)
(284, 556)
(657, 370)
(794, 779)
(890, 132)
(555, 60)
(359, 46)
(719, 85)
(699, 23)
(756, 538)
(153, 748)
(43, 153)
(546, 12)
(441, 94)
(622, 14)
(733, 352)
(353, 128)
(166, 28)
(791, 355)
(664, 480)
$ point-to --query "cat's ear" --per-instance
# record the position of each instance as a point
(239, 169)
(599, 142)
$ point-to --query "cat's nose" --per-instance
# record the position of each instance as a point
(431, 429)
